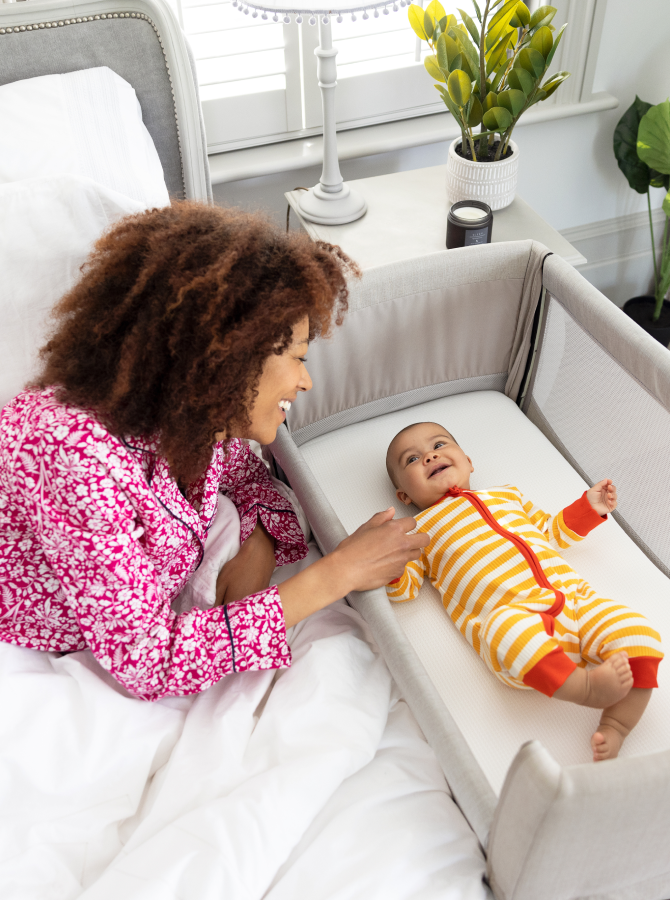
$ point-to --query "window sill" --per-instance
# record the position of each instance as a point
(300, 154)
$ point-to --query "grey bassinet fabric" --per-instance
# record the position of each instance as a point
(425, 328)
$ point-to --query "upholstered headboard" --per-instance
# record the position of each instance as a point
(141, 41)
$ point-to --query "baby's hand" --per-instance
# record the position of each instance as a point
(602, 497)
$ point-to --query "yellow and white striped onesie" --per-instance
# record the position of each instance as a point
(494, 557)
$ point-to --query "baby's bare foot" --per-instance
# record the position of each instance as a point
(609, 682)
(606, 743)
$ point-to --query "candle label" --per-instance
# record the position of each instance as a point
(477, 236)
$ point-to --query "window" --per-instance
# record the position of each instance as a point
(258, 80)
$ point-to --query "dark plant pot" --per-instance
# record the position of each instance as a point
(641, 309)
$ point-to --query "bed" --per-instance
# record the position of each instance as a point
(556, 390)
(310, 782)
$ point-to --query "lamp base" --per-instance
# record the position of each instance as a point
(316, 205)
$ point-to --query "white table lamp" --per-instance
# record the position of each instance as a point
(331, 201)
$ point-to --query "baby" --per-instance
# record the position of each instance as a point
(494, 558)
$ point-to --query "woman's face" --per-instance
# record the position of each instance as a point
(281, 379)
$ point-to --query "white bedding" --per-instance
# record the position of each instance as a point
(310, 782)
(506, 448)
(88, 123)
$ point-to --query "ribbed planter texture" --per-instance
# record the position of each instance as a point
(492, 182)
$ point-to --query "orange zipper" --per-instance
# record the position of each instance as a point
(526, 551)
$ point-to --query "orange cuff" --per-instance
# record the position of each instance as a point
(645, 670)
(581, 517)
(551, 672)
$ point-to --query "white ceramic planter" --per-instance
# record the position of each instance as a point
(493, 183)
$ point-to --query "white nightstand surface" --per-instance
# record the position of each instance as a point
(407, 217)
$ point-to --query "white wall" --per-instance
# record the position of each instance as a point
(568, 171)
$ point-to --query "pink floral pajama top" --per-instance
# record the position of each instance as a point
(96, 540)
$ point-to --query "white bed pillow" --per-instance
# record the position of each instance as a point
(47, 229)
(83, 123)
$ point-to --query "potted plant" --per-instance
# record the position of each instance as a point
(488, 75)
(642, 149)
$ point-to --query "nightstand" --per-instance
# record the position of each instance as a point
(407, 217)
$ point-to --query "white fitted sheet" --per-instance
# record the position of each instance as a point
(506, 448)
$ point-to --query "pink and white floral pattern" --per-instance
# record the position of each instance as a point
(96, 540)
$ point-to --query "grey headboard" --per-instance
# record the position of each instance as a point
(141, 41)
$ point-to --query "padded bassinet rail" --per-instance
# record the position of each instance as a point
(470, 790)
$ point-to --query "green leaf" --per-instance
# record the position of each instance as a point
(532, 61)
(498, 55)
(435, 10)
(459, 87)
(557, 41)
(429, 24)
(490, 101)
(477, 10)
(513, 101)
(653, 137)
(542, 16)
(442, 56)
(540, 95)
(497, 119)
(666, 204)
(554, 83)
(432, 67)
(476, 112)
(521, 16)
(415, 16)
(470, 25)
(505, 11)
(460, 36)
(656, 179)
(451, 106)
(521, 80)
(542, 41)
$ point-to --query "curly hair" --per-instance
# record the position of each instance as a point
(177, 309)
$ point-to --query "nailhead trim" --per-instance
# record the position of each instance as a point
(120, 15)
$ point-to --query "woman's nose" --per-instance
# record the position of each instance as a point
(305, 383)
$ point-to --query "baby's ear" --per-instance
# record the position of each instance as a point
(472, 468)
(402, 496)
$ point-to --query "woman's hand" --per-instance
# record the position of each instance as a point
(250, 570)
(602, 497)
(372, 556)
(378, 551)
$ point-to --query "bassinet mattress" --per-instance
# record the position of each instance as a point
(506, 448)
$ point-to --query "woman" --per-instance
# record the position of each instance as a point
(186, 333)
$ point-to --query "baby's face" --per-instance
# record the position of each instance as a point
(427, 462)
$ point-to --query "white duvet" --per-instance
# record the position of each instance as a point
(310, 782)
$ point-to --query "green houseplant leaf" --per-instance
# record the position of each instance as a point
(557, 41)
(554, 83)
(521, 80)
(653, 138)
(490, 101)
(532, 61)
(459, 87)
(451, 106)
(433, 68)
(521, 16)
(470, 25)
(497, 119)
(542, 41)
(542, 16)
(436, 10)
(476, 112)
(513, 101)
(625, 146)
(416, 20)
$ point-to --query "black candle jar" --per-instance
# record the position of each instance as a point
(469, 228)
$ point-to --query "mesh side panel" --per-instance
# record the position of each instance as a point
(608, 425)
